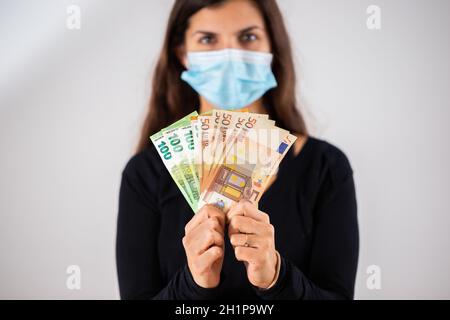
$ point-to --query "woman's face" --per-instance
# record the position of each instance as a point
(236, 24)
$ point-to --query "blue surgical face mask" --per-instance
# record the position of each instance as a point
(230, 79)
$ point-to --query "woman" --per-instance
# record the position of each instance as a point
(302, 240)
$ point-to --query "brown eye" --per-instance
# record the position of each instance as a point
(248, 37)
(208, 39)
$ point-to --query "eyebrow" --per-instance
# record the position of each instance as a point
(250, 29)
(239, 32)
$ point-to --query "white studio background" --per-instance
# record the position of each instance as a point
(72, 102)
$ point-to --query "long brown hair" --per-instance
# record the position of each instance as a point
(172, 98)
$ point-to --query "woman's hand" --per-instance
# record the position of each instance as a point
(204, 246)
(253, 239)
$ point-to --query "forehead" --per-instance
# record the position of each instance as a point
(233, 15)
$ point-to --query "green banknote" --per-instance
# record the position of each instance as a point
(181, 140)
(174, 145)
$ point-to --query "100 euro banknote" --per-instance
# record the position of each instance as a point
(175, 145)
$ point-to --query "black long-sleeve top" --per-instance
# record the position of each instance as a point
(311, 204)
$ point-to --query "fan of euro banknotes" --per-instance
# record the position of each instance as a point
(221, 157)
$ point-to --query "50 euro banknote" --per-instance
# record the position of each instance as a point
(246, 167)
(219, 131)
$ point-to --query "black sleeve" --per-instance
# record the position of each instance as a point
(334, 254)
(136, 243)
